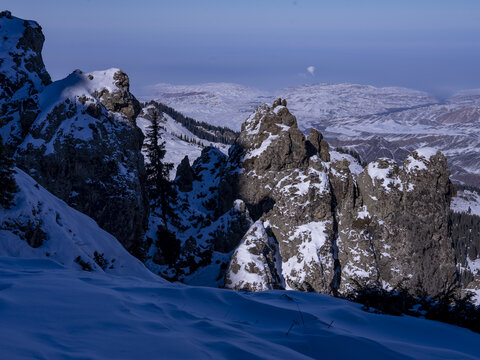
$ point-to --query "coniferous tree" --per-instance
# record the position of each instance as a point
(162, 194)
(8, 186)
(161, 191)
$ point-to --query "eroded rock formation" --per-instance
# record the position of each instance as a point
(89, 155)
(338, 225)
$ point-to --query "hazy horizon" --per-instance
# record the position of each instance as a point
(426, 45)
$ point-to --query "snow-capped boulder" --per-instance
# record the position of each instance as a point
(40, 225)
(22, 75)
(113, 91)
(255, 264)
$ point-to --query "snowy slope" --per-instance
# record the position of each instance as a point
(466, 201)
(97, 316)
(68, 234)
(179, 141)
(221, 104)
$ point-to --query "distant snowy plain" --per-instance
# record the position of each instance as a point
(376, 122)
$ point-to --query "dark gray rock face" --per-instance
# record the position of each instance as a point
(90, 156)
(316, 145)
(22, 75)
(397, 233)
(185, 176)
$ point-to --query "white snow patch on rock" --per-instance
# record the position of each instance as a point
(313, 237)
(363, 212)
(383, 175)
(253, 268)
(355, 167)
(263, 146)
(426, 152)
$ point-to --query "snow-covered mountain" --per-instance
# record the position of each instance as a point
(83, 145)
(374, 121)
(283, 211)
(467, 201)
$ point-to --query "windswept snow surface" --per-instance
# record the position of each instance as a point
(52, 312)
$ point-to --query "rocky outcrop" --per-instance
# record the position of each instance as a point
(89, 155)
(22, 75)
(120, 100)
(284, 183)
(77, 136)
(316, 145)
(298, 215)
(396, 234)
(339, 225)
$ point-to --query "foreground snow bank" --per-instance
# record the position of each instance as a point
(50, 311)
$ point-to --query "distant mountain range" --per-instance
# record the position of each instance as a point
(376, 122)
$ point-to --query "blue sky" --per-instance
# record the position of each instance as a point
(429, 45)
